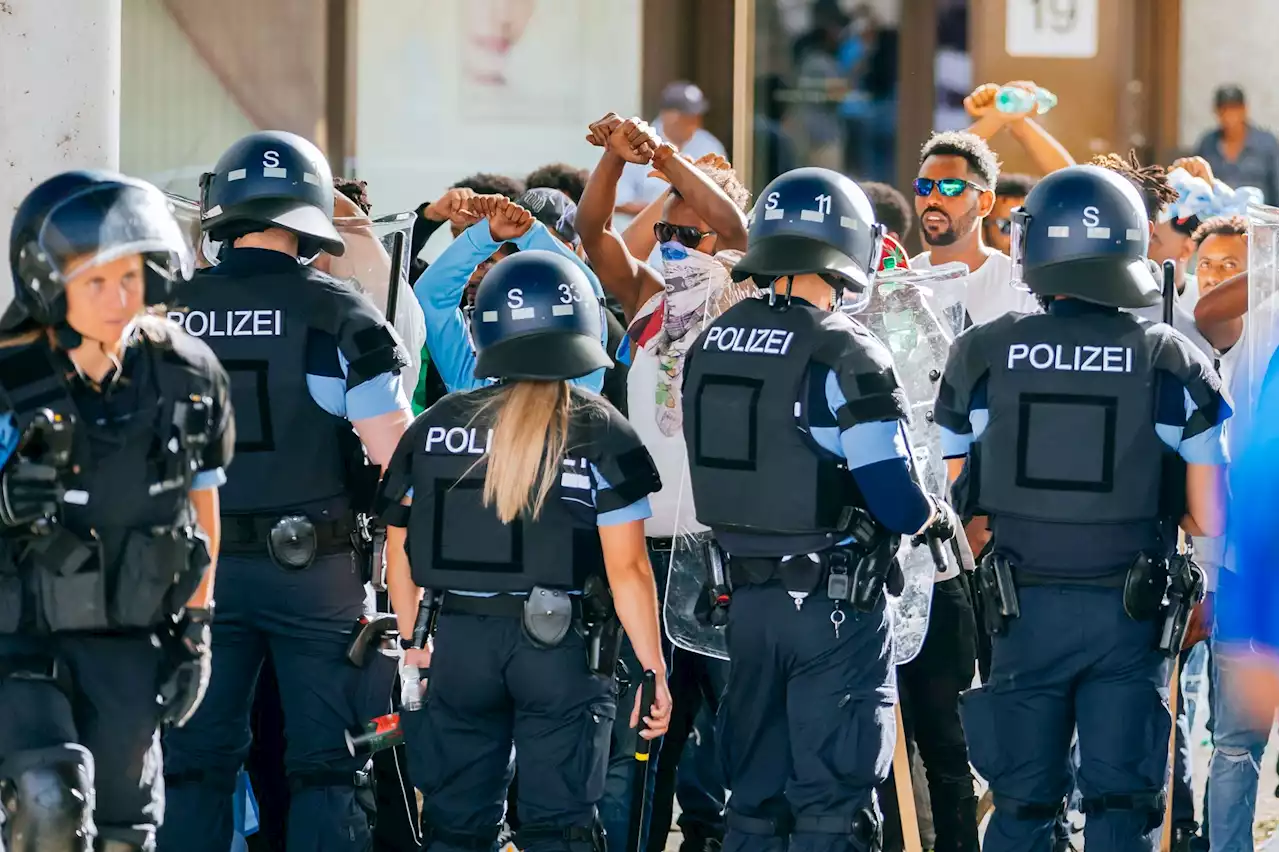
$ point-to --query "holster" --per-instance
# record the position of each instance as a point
(1144, 586)
(603, 628)
(547, 616)
(1186, 589)
(292, 542)
(999, 593)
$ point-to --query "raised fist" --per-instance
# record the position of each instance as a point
(634, 141)
(598, 132)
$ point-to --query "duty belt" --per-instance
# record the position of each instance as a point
(501, 605)
(248, 534)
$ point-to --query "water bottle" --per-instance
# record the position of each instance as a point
(410, 688)
(1015, 99)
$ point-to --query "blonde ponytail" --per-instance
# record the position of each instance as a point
(530, 434)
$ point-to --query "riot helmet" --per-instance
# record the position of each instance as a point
(1082, 232)
(536, 317)
(81, 219)
(813, 221)
(272, 179)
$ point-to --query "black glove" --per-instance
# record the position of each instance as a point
(28, 492)
(945, 522)
(186, 643)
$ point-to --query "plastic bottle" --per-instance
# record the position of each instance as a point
(1015, 99)
(410, 688)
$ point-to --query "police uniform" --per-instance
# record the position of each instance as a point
(1071, 421)
(307, 355)
(794, 420)
(502, 672)
(94, 574)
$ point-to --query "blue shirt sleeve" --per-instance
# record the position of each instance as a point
(637, 511)
(1174, 407)
(878, 457)
(956, 445)
(205, 479)
(440, 288)
(9, 437)
(380, 395)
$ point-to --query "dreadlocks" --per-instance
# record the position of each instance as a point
(1151, 181)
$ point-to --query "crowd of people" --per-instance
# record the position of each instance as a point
(608, 375)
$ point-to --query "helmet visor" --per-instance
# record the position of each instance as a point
(105, 223)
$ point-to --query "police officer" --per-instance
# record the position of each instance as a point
(309, 359)
(1067, 426)
(794, 419)
(115, 427)
(521, 502)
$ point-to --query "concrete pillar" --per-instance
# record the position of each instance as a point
(59, 98)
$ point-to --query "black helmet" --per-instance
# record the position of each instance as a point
(80, 219)
(273, 179)
(536, 317)
(1082, 232)
(812, 220)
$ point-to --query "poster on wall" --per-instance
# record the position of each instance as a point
(522, 60)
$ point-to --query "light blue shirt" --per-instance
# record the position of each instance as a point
(440, 288)
(380, 395)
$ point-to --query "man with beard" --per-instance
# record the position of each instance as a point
(700, 234)
(954, 193)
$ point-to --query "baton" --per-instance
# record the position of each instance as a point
(640, 779)
(397, 269)
(1167, 294)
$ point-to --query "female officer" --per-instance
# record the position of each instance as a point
(512, 500)
(114, 431)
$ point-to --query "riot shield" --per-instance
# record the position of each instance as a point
(1262, 322)
(899, 314)
(187, 212)
(367, 262)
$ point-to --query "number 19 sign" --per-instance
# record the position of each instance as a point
(1051, 28)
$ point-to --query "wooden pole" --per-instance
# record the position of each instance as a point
(1166, 834)
(902, 785)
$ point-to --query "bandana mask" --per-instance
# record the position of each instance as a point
(690, 278)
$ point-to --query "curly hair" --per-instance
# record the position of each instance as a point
(973, 149)
(1221, 226)
(356, 190)
(728, 181)
(485, 183)
(562, 176)
(1151, 181)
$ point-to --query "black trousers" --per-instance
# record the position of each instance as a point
(929, 690)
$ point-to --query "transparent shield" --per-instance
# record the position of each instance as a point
(694, 607)
(367, 262)
(1263, 319)
(901, 317)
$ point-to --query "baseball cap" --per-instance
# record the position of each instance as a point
(1229, 95)
(683, 96)
(552, 208)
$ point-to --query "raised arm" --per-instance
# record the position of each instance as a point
(1047, 152)
(624, 277)
(707, 199)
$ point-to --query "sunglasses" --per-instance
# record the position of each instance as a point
(947, 187)
(686, 235)
(1004, 226)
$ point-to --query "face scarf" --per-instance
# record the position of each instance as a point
(697, 287)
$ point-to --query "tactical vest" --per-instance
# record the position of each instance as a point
(125, 551)
(456, 542)
(1071, 435)
(289, 452)
(754, 466)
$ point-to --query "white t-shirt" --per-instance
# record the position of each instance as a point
(985, 293)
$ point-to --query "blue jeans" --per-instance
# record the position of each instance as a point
(1233, 773)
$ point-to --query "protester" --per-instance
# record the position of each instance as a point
(1011, 191)
(892, 209)
(679, 122)
(954, 193)
(1241, 153)
(562, 176)
(702, 231)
